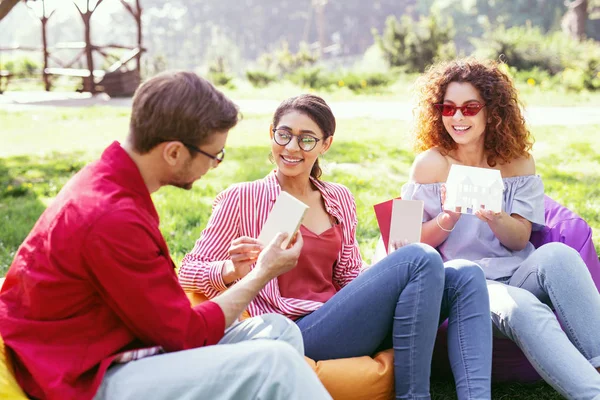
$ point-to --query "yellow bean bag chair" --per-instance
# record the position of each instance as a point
(356, 378)
(9, 388)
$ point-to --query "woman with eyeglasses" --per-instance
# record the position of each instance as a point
(468, 114)
(343, 307)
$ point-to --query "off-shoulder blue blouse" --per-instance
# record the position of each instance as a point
(472, 239)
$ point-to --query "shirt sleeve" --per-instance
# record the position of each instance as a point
(351, 262)
(134, 276)
(524, 195)
(201, 269)
(431, 195)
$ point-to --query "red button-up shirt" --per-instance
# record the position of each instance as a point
(94, 278)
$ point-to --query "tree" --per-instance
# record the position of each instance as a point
(574, 20)
(6, 6)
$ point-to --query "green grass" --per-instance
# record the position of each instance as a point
(42, 149)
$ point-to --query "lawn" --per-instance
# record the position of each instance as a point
(42, 149)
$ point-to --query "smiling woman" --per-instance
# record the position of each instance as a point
(524, 282)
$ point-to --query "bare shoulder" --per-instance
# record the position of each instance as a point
(519, 167)
(431, 166)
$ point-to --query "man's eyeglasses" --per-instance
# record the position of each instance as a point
(468, 110)
(218, 158)
(305, 142)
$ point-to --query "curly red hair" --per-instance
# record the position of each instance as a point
(506, 135)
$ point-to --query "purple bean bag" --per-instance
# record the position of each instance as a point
(508, 362)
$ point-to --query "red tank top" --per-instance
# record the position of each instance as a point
(312, 278)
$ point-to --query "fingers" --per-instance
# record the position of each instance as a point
(278, 239)
(245, 248)
(396, 244)
(298, 243)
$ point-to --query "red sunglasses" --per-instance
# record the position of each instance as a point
(468, 110)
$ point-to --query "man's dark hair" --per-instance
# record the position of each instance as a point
(178, 106)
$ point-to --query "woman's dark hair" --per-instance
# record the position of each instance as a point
(315, 108)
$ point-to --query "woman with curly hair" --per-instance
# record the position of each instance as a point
(468, 114)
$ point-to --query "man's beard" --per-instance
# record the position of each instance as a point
(182, 180)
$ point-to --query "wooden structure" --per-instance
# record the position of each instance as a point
(119, 79)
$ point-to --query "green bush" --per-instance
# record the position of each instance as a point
(365, 82)
(260, 78)
(219, 75)
(313, 77)
(554, 57)
(284, 62)
(416, 45)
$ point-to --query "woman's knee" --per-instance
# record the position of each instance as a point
(559, 260)
(463, 273)
(421, 257)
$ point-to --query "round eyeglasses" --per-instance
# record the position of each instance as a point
(305, 142)
(468, 110)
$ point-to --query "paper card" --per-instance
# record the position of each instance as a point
(399, 220)
(470, 188)
(407, 220)
(285, 216)
(383, 213)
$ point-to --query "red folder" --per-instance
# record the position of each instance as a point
(383, 213)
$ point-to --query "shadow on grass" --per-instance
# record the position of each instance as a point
(25, 182)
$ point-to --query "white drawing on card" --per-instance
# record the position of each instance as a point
(285, 216)
(469, 189)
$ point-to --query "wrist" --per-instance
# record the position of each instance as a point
(445, 222)
(228, 272)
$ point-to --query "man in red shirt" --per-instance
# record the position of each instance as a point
(93, 286)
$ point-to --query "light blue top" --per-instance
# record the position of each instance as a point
(472, 239)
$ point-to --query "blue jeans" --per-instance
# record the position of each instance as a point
(554, 275)
(401, 297)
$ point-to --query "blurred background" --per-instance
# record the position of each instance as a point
(318, 44)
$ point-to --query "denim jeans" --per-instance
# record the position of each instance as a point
(466, 305)
(553, 276)
(398, 300)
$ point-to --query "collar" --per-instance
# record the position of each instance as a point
(124, 172)
(331, 202)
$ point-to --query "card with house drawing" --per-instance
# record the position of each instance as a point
(469, 189)
(285, 216)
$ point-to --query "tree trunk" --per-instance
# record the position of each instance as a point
(88, 83)
(573, 22)
(45, 50)
(6, 6)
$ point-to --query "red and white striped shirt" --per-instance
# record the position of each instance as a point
(241, 210)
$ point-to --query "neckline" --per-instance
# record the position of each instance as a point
(326, 231)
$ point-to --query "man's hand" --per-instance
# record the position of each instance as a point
(271, 262)
(243, 252)
(274, 261)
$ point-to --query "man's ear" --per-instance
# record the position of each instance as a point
(173, 152)
(326, 144)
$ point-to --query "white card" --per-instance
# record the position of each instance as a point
(407, 221)
(469, 189)
(285, 216)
